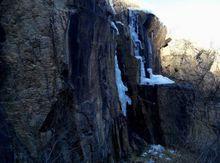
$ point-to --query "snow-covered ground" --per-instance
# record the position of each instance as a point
(156, 151)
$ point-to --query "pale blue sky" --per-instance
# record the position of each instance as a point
(181, 1)
(197, 20)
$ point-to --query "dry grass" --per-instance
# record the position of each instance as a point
(127, 3)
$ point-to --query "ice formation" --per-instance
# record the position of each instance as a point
(124, 99)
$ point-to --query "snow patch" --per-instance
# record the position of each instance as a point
(156, 79)
(156, 149)
(124, 99)
(172, 151)
(150, 161)
(156, 152)
(168, 159)
(119, 22)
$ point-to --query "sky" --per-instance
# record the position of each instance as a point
(196, 20)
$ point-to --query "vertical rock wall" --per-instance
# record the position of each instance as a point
(59, 99)
(58, 87)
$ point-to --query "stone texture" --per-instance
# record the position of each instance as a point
(59, 99)
(6, 150)
(143, 114)
(58, 81)
(175, 105)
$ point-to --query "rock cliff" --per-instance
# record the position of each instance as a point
(59, 99)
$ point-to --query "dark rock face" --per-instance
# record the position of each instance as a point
(162, 115)
(91, 70)
(65, 107)
(59, 89)
(6, 148)
(144, 115)
(2, 34)
(175, 105)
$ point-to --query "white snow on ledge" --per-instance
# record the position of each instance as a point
(124, 99)
(119, 22)
(134, 32)
(156, 79)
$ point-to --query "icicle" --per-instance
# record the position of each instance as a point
(143, 74)
(112, 6)
(134, 35)
(150, 52)
(124, 99)
(154, 79)
(134, 29)
(114, 27)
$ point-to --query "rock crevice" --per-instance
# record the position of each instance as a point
(60, 93)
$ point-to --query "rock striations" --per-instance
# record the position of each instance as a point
(59, 100)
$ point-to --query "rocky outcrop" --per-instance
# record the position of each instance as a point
(175, 105)
(188, 63)
(58, 86)
(154, 109)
